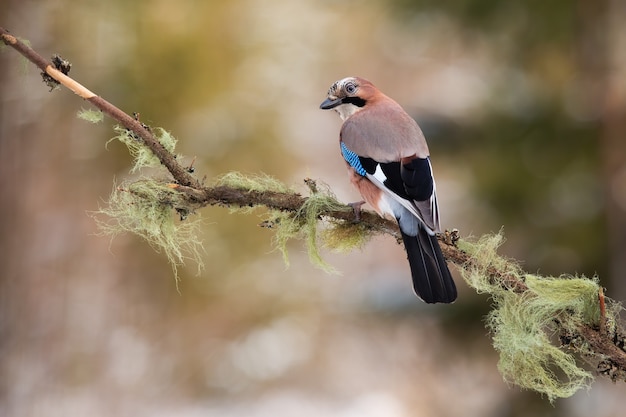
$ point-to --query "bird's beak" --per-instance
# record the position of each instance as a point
(330, 103)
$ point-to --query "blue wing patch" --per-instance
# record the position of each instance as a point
(352, 159)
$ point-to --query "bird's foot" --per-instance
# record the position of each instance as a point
(356, 208)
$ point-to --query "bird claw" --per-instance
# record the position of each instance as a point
(356, 208)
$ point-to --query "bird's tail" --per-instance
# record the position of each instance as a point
(432, 280)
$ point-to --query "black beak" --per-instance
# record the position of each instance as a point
(330, 104)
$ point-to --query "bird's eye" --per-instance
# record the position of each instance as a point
(350, 88)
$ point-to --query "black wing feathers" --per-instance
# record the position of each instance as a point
(412, 181)
(418, 179)
(368, 164)
(391, 171)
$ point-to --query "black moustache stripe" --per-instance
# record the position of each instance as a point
(357, 101)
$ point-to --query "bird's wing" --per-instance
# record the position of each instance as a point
(415, 190)
(427, 210)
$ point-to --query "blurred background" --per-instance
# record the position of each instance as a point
(524, 106)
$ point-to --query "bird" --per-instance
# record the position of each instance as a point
(389, 164)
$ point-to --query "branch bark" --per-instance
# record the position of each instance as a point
(609, 347)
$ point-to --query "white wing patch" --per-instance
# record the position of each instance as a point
(380, 175)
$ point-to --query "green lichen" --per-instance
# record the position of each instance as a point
(303, 225)
(91, 116)
(343, 236)
(141, 154)
(309, 223)
(259, 183)
(147, 208)
(522, 324)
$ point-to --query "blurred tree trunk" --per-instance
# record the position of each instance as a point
(603, 61)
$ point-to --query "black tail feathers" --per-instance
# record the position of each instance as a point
(432, 280)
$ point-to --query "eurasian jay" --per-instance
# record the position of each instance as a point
(389, 164)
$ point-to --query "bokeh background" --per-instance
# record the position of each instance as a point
(524, 106)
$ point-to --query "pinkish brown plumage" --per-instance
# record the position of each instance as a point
(389, 164)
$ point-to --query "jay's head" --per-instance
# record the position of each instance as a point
(349, 95)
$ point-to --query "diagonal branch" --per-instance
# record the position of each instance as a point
(59, 75)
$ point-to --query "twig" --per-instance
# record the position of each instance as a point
(602, 311)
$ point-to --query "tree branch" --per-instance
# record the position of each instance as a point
(607, 346)
(52, 70)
